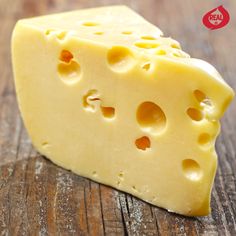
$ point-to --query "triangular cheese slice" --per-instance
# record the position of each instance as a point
(102, 93)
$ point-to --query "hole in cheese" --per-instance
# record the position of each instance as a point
(204, 139)
(108, 112)
(69, 72)
(66, 56)
(143, 143)
(146, 45)
(179, 53)
(134, 188)
(148, 37)
(176, 54)
(146, 66)
(191, 169)
(61, 35)
(127, 32)
(49, 31)
(91, 100)
(151, 117)
(90, 23)
(202, 98)
(121, 174)
(120, 59)
(99, 33)
(161, 52)
(174, 45)
(195, 114)
(45, 144)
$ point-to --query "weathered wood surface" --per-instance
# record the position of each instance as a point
(39, 198)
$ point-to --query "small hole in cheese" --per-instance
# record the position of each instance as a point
(161, 52)
(146, 45)
(90, 23)
(176, 54)
(143, 143)
(70, 73)
(120, 59)
(108, 112)
(127, 32)
(49, 31)
(202, 98)
(151, 117)
(204, 139)
(191, 169)
(121, 174)
(45, 144)
(179, 53)
(61, 35)
(199, 95)
(99, 33)
(134, 188)
(91, 100)
(146, 66)
(195, 114)
(174, 45)
(66, 56)
(148, 37)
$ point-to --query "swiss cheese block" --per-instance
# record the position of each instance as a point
(102, 93)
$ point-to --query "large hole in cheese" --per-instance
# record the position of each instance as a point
(151, 117)
(70, 73)
(191, 169)
(120, 59)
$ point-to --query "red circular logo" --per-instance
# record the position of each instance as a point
(216, 18)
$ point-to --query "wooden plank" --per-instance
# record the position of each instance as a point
(38, 197)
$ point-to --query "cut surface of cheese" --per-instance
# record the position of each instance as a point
(102, 93)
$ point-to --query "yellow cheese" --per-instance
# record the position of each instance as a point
(103, 94)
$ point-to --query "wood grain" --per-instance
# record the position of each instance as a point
(40, 198)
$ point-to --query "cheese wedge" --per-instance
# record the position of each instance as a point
(102, 93)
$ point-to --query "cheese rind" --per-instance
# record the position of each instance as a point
(103, 94)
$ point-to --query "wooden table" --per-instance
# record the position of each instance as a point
(40, 198)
